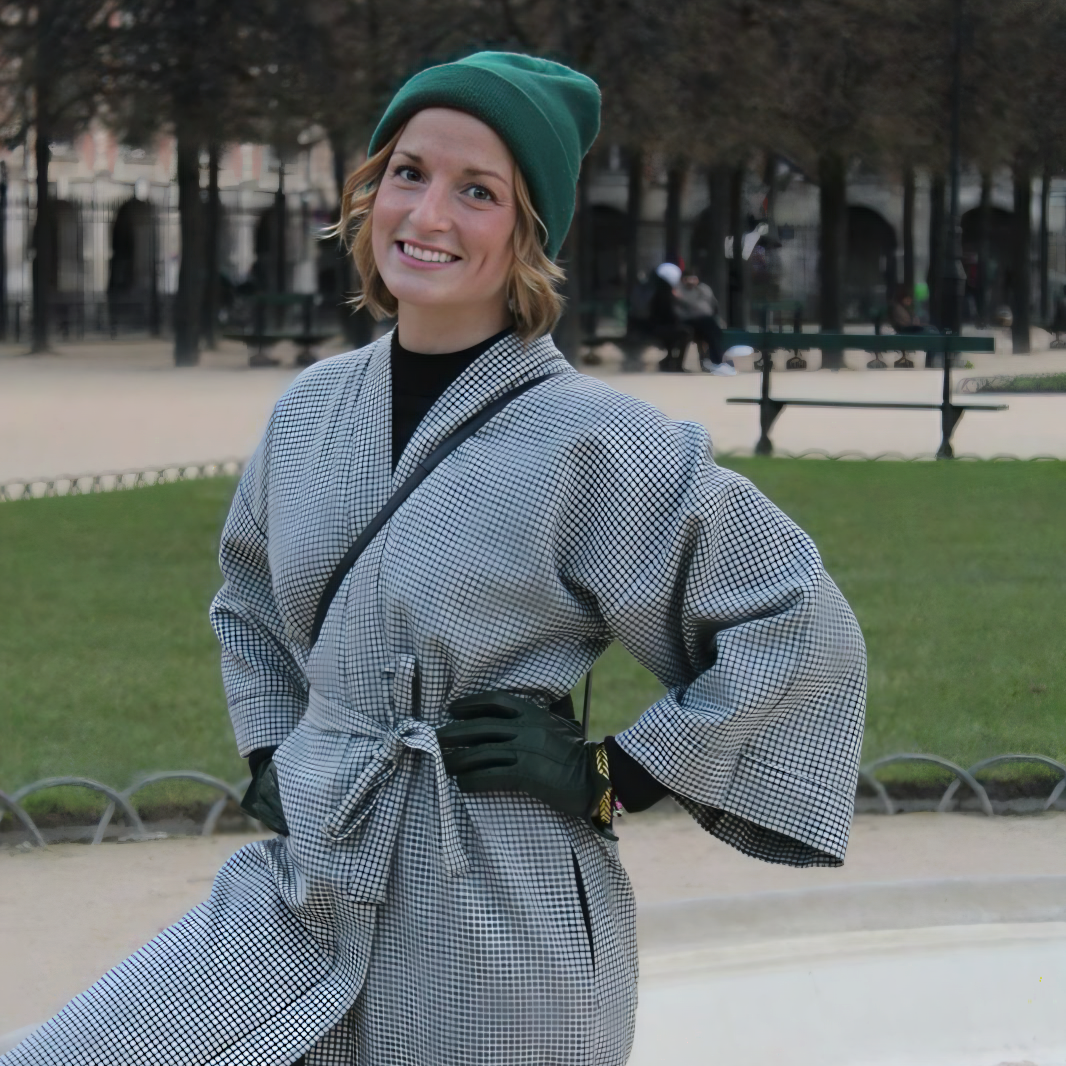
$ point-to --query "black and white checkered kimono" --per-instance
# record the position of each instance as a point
(402, 922)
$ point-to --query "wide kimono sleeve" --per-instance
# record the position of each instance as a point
(726, 601)
(262, 669)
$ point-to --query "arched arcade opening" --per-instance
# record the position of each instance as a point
(870, 271)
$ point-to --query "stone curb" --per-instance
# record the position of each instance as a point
(727, 920)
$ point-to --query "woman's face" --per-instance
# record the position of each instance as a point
(444, 215)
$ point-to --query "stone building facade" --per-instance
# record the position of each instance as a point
(875, 227)
(117, 245)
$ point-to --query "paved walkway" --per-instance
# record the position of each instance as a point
(93, 408)
(71, 911)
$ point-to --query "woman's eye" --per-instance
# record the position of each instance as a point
(407, 173)
(479, 192)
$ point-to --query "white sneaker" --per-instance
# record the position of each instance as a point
(739, 351)
(724, 370)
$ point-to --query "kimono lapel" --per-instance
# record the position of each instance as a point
(506, 364)
(371, 447)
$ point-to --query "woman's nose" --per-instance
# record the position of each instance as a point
(431, 212)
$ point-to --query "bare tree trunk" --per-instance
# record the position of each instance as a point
(587, 311)
(738, 273)
(984, 252)
(281, 224)
(188, 303)
(155, 324)
(213, 220)
(833, 207)
(935, 277)
(567, 333)
(718, 186)
(339, 150)
(43, 241)
(1045, 196)
(1023, 206)
(770, 181)
(44, 228)
(634, 206)
(774, 241)
(908, 232)
(675, 188)
(3, 251)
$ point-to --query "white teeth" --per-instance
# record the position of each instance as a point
(426, 255)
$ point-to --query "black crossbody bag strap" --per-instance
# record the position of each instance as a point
(420, 473)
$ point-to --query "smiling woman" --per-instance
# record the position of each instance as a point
(444, 189)
(437, 537)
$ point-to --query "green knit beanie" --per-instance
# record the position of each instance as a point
(546, 113)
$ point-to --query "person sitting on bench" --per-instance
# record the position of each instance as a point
(903, 320)
(664, 322)
(697, 307)
(902, 317)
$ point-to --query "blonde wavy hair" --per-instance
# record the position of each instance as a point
(531, 284)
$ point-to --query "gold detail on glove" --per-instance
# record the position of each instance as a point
(603, 768)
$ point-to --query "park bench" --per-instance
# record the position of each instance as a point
(638, 336)
(674, 341)
(261, 337)
(766, 343)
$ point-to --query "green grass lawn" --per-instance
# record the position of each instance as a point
(108, 667)
(1026, 383)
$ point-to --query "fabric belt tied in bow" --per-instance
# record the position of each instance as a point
(381, 785)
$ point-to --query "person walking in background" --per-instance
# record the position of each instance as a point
(438, 535)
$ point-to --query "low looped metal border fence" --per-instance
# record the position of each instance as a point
(117, 480)
(121, 802)
(899, 457)
(968, 777)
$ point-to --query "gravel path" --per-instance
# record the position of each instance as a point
(93, 408)
(70, 912)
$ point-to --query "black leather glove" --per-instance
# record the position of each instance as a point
(263, 798)
(500, 743)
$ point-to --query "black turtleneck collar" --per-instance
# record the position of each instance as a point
(419, 380)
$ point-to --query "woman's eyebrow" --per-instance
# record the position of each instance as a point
(474, 172)
(470, 172)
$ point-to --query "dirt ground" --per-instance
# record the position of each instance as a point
(93, 408)
(70, 912)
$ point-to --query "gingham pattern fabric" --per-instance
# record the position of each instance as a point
(403, 923)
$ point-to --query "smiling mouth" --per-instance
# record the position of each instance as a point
(426, 255)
